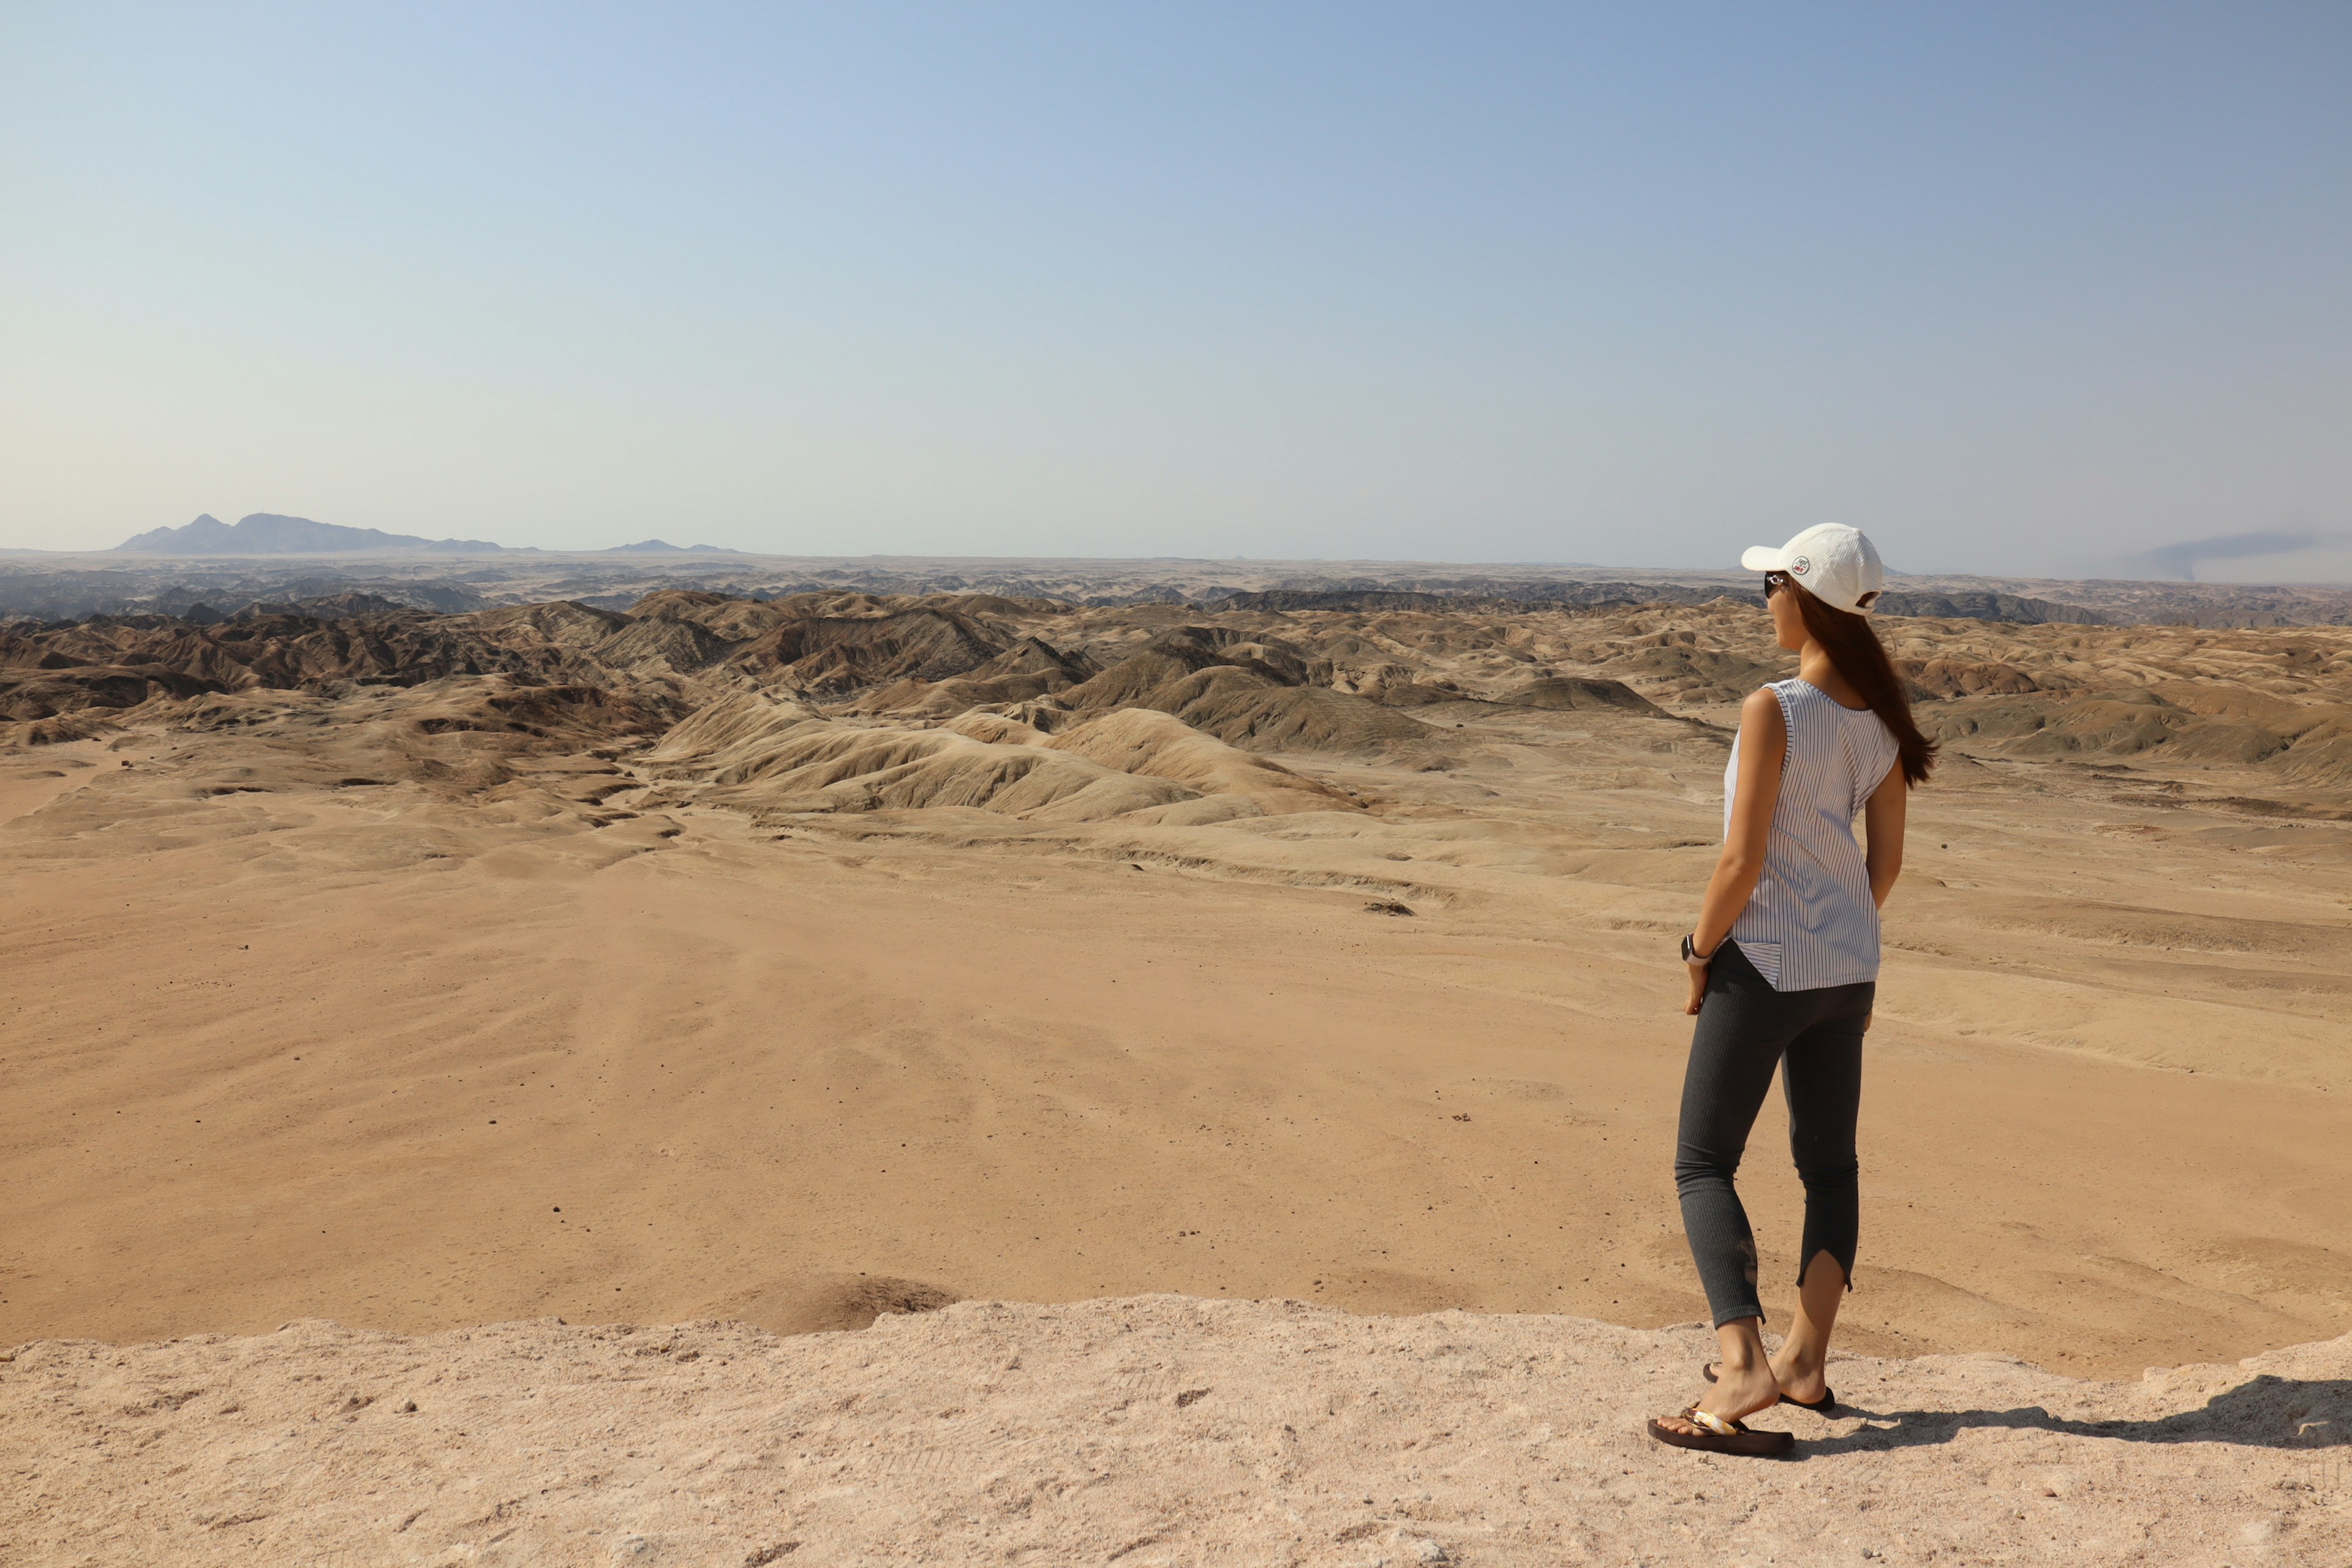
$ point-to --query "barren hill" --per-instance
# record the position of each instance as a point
(1311, 681)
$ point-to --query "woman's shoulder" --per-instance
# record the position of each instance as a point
(1765, 715)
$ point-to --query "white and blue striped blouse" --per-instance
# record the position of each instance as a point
(1811, 922)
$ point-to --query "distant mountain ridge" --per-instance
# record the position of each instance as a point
(1986, 606)
(663, 547)
(268, 533)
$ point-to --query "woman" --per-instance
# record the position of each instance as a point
(1783, 966)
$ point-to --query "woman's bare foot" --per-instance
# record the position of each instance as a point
(1804, 1384)
(1800, 1383)
(1800, 1366)
(1744, 1381)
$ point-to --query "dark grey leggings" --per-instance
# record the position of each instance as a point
(1745, 1029)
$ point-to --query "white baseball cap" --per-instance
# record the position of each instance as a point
(1837, 564)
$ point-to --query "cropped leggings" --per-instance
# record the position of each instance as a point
(1745, 1029)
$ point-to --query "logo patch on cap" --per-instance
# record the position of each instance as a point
(1801, 564)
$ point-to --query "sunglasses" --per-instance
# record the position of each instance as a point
(1774, 582)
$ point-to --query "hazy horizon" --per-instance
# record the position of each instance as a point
(686, 555)
(2021, 293)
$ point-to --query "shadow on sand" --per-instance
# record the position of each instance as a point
(2265, 1413)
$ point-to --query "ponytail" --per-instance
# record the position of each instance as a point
(1856, 652)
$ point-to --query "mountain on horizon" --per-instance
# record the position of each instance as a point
(663, 547)
(267, 533)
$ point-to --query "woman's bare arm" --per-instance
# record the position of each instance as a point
(1763, 745)
(1755, 792)
(1882, 821)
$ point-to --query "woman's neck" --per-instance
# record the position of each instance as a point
(1814, 668)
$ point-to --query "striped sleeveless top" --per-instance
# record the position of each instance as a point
(1811, 922)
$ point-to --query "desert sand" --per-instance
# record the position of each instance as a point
(1160, 1430)
(783, 965)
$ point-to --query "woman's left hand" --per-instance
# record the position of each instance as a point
(1699, 988)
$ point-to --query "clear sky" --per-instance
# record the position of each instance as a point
(2036, 288)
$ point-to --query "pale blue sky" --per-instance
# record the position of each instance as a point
(2030, 289)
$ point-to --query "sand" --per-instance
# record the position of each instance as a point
(419, 1009)
(1159, 1430)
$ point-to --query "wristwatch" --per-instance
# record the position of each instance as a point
(1691, 955)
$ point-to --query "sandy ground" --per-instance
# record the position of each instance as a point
(412, 1064)
(287, 1036)
(1159, 1430)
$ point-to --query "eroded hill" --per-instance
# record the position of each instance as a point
(957, 698)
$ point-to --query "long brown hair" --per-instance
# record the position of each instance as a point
(1856, 651)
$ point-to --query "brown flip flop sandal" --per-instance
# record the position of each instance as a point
(1717, 1436)
(1821, 1406)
